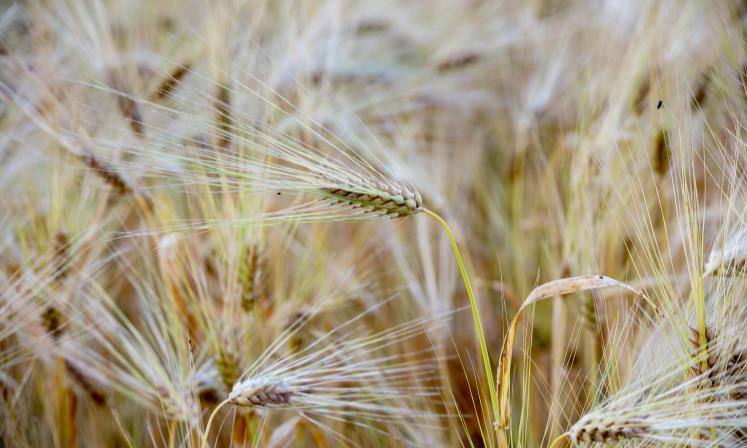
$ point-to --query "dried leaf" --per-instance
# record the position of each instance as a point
(554, 288)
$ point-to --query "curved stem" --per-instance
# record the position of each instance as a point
(210, 422)
(558, 439)
(475, 313)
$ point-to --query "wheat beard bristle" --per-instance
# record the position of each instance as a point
(380, 197)
(262, 394)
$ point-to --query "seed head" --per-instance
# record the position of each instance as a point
(385, 198)
(262, 393)
(591, 429)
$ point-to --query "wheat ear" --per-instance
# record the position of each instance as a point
(251, 275)
(228, 367)
(171, 82)
(107, 173)
(257, 393)
(703, 367)
(607, 430)
(385, 198)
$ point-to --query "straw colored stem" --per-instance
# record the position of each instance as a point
(204, 442)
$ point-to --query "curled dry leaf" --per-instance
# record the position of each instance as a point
(554, 288)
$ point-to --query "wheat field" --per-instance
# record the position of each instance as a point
(406, 223)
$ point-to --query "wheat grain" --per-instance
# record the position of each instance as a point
(458, 61)
(607, 430)
(52, 319)
(662, 153)
(107, 173)
(706, 367)
(251, 273)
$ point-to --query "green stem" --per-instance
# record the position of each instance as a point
(475, 313)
